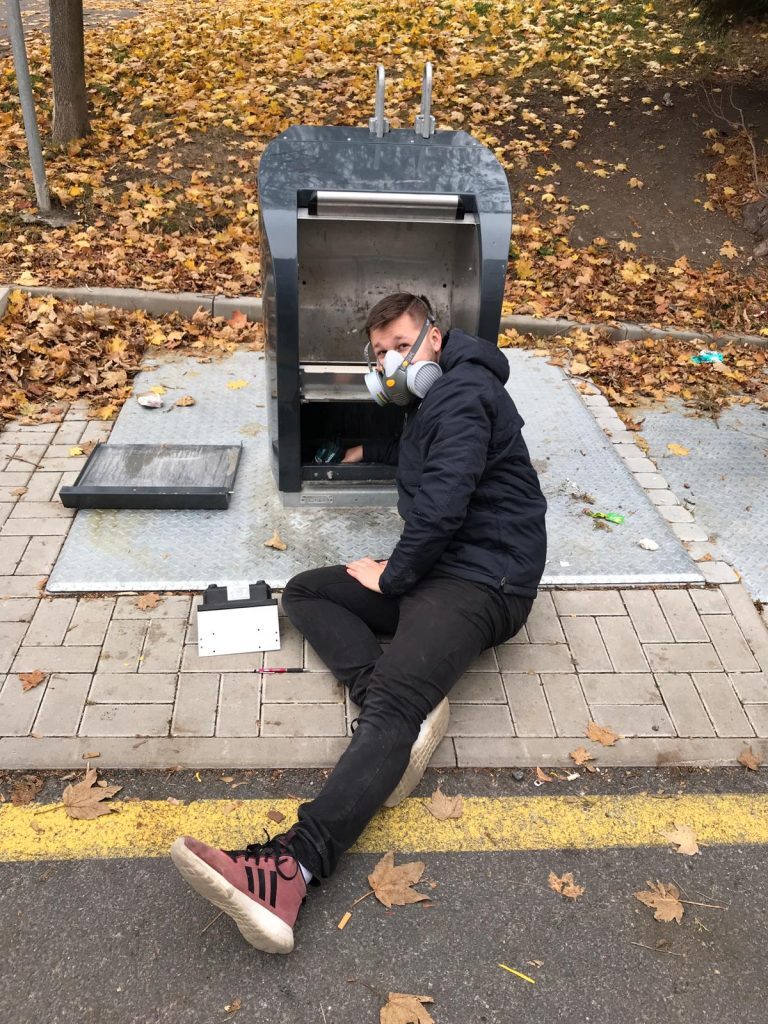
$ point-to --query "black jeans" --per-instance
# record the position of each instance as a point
(438, 629)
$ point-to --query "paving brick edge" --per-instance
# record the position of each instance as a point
(26, 752)
(187, 303)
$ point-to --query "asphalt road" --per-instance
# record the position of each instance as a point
(124, 941)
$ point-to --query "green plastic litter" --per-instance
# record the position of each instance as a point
(612, 517)
(705, 356)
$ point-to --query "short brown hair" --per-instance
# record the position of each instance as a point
(393, 306)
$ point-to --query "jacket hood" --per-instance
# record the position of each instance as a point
(459, 347)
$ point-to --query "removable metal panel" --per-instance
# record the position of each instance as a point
(725, 476)
(237, 630)
(138, 550)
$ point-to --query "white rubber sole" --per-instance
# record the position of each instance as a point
(432, 731)
(258, 926)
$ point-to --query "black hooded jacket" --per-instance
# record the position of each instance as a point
(467, 491)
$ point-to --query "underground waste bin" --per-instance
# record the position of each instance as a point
(348, 216)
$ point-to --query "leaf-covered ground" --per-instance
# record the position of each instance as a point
(186, 96)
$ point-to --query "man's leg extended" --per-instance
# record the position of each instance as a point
(444, 624)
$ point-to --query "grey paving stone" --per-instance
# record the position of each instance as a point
(171, 606)
(587, 648)
(487, 662)
(689, 532)
(520, 637)
(125, 688)
(63, 704)
(40, 510)
(647, 617)
(18, 707)
(543, 624)
(291, 653)
(622, 644)
(751, 687)
(28, 453)
(621, 437)
(651, 481)
(17, 609)
(11, 551)
(19, 586)
(90, 621)
(303, 720)
(22, 527)
(678, 514)
(681, 615)
(534, 658)
(661, 497)
(69, 433)
(730, 644)
(588, 602)
(478, 688)
(49, 625)
(42, 488)
(619, 688)
(56, 659)
(709, 602)
(758, 716)
(122, 646)
(569, 710)
(239, 704)
(528, 704)
(197, 696)
(717, 572)
(306, 688)
(10, 484)
(640, 464)
(750, 622)
(11, 635)
(95, 431)
(192, 662)
(682, 657)
(479, 720)
(39, 555)
(722, 704)
(5, 510)
(684, 704)
(163, 645)
(637, 720)
(62, 464)
(126, 720)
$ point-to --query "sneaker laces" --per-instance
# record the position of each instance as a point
(276, 849)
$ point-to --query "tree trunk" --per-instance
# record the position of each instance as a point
(70, 100)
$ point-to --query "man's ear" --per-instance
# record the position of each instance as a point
(437, 338)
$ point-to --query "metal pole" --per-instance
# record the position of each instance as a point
(28, 105)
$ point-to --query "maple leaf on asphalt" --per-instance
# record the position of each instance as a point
(81, 800)
(602, 734)
(404, 1009)
(443, 807)
(664, 899)
(684, 837)
(392, 885)
(580, 756)
(565, 885)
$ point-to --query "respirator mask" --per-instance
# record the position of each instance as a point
(399, 380)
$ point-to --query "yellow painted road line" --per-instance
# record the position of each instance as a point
(146, 828)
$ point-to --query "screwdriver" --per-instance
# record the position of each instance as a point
(263, 670)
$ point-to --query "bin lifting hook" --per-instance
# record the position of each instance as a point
(425, 122)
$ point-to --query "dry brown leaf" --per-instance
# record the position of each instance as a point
(543, 777)
(443, 807)
(602, 734)
(565, 885)
(275, 816)
(29, 680)
(19, 492)
(81, 800)
(578, 368)
(684, 837)
(679, 449)
(234, 1006)
(665, 900)
(749, 760)
(392, 885)
(275, 542)
(25, 790)
(580, 756)
(148, 601)
(404, 1009)
(238, 319)
(185, 401)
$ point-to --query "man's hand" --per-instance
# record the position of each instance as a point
(367, 571)
(354, 454)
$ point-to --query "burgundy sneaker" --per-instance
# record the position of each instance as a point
(261, 887)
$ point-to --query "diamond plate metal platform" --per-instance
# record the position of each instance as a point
(110, 550)
(725, 475)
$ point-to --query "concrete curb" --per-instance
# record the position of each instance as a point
(187, 303)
